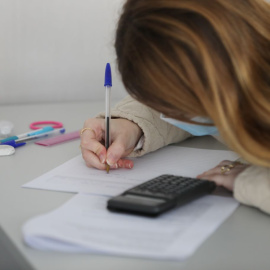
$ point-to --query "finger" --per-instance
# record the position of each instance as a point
(217, 178)
(88, 133)
(92, 130)
(92, 161)
(235, 167)
(225, 162)
(216, 170)
(115, 152)
(125, 163)
(95, 147)
(222, 180)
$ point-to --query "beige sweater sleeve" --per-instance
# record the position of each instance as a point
(252, 187)
(157, 133)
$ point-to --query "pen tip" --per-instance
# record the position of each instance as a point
(107, 168)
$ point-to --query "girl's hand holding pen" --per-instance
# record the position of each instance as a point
(124, 137)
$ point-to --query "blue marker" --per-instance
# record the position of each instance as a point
(44, 134)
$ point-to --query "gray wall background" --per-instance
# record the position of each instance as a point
(56, 50)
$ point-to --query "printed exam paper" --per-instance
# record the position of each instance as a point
(75, 176)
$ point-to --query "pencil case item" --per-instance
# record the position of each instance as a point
(59, 139)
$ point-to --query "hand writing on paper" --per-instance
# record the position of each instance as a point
(124, 137)
(225, 173)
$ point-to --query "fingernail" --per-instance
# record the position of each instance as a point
(120, 163)
(102, 159)
(113, 166)
(110, 160)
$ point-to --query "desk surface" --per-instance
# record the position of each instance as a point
(241, 242)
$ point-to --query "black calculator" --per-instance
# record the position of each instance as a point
(160, 194)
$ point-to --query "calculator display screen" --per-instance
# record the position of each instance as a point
(144, 200)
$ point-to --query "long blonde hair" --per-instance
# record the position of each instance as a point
(202, 58)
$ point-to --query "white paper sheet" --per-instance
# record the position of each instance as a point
(84, 224)
(74, 176)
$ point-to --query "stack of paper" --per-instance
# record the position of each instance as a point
(85, 225)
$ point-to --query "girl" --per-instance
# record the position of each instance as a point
(193, 67)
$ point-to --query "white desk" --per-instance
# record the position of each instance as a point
(242, 241)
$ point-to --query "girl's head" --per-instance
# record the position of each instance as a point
(211, 58)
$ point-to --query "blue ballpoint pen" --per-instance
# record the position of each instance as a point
(108, 85)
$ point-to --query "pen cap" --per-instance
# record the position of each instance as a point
(13, 143)
(108, 75)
